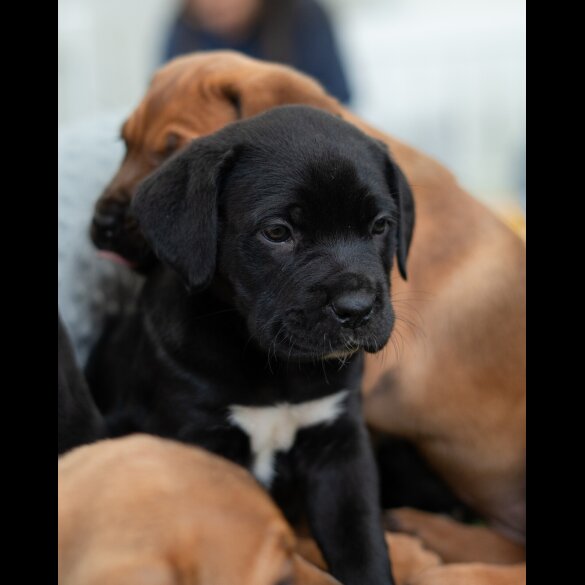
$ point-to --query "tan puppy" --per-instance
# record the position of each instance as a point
(148, 511)
(453, 379)
(155, 512)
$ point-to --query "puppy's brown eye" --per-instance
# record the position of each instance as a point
(277, 233)
(172, 144)
(379, 226)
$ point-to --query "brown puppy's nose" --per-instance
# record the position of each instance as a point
(354, 308)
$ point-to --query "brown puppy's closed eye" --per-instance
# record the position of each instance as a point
(148, 511)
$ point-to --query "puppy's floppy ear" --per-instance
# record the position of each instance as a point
(176, 209)
(400, 190)
(254, 90)
(402, 194)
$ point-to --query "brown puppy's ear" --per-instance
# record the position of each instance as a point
(176, 209)
(308, 574)
(266, 86)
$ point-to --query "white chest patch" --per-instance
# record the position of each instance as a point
(274, 428)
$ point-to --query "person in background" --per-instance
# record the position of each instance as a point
(293, 32)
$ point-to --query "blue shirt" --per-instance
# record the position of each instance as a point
(313, 46)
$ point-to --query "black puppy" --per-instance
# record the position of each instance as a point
(79, 421)
(276, 237)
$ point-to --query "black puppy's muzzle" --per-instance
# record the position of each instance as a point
(338, 316)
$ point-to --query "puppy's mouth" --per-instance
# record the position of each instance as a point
(288, 343)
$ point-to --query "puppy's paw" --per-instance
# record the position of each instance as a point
(454, 541)
(436, 533)
(409, 557)
(472, 574)
(408, 521)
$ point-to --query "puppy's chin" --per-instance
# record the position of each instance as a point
(369, 345)
(303, 346)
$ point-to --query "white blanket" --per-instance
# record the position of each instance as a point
(90, 287)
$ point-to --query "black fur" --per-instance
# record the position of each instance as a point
(230, 317)
(406, 479)
(77, 415)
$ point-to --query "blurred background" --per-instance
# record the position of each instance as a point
(447, 77)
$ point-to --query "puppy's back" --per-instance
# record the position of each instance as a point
(144, 510)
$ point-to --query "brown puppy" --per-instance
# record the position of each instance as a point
(453, 380)
(156, 512)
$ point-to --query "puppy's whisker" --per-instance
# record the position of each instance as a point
(324, 372)
(343, 358)
(381, 355)
(413, 327)
(281, 330)
(408, 303)
(290, 343)
(272, 347)
(395, 346)
(415, 295)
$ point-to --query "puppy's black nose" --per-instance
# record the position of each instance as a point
(352, 309)
(105, 220)
(107, 223)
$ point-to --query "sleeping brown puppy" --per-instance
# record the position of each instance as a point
(151, 511)
(453, 379)
(148, 511)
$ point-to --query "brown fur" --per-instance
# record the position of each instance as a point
(473, 574)
(409, 557)
(151, 511)
(453, 379)
(147, 510)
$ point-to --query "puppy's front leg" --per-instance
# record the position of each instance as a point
(343, 502)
